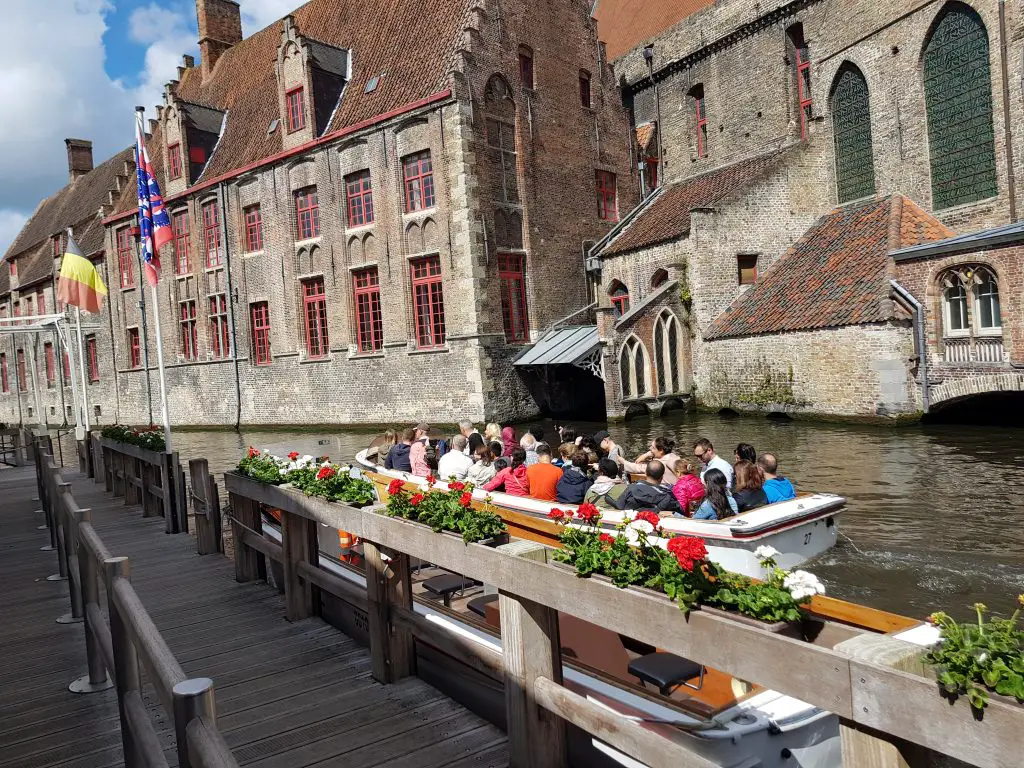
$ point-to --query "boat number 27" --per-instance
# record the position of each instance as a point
(807, 538)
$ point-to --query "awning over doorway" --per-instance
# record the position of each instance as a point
(579, 345)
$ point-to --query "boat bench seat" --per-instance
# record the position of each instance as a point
(478, 605)
(667, 671)
(446, 585)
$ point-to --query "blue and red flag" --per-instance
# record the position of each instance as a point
(154, 223)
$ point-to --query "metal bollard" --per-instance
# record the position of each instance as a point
(193, 698)
(97, 679)
(126, 658)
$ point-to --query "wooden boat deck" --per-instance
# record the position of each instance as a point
(288, 694)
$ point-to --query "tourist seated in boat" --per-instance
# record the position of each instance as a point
(743, 452)
(484, 470)
(608, 486)
(466, 429)
(509, 441)
(418, 451)
(398, 456)
(473, 443)
(512, 479)
(567, 433)
(455, 463)
(529, 444)
(575, 480)
(649, 493)
(718, 503)
(608, 446)
(543, 476)
(662, 449)
(492, 432)
(705, 451)
(776, 488)
(497, 448)
(749, 491)
(565, 453)
(688, 488)
(388, 442)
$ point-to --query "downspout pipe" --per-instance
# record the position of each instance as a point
(904, 297)
(232, 327)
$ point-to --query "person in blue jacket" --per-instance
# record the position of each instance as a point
(775, 488)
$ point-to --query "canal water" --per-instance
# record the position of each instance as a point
(934, 516)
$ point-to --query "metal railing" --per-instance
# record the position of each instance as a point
(125, 640)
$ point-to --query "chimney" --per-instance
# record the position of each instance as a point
(79, 157)
(220, 27)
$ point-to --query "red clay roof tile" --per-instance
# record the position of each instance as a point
(624, 24)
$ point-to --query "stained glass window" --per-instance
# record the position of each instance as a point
(851, 126)
(958, 95)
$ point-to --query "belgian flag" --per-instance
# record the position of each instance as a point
(80, 284)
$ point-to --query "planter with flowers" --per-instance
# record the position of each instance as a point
(446, 511)
(149, 439)
(313, 476)
(680, 570)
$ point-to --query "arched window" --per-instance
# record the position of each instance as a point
(700, 119)
(851, 128)
(659, 278)
(800, 57)
(958, 98)
(986, 301)
(620, 298)
(633, 369)
(955, 300)
(970, 302)
(666, 353)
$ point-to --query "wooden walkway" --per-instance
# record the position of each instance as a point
(288, 694)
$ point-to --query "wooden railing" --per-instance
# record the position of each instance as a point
(151, 479)
(883, 710)
(11, 447)
(116, 642)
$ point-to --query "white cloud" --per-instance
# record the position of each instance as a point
(169, 33)
(257, 14)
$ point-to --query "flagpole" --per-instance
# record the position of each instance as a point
(81, 368)
(160, 368)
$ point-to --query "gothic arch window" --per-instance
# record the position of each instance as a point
(970, 302)
(700, 116)
(620, 298)
(800, 58)
(666, 353)
(851, 129)
(958, 99)
(633, 369)
(659, 278)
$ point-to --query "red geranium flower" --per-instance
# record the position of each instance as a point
(557, 514)
(688, 550)
(588, 513)
(293, 455)
(431, 479)
(606, 538)
(325, 472)
(651, 517)
(395, 486)
(456, 486)
(466, 499)
(416, 499)
(253, 453)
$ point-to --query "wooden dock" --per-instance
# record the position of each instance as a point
(288, 694)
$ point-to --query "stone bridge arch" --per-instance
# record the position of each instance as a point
(960, 389)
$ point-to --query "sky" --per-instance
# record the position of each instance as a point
(77, 69)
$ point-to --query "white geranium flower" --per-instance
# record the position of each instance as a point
(283, 472)
(802, 584)
(635, 528)
(764, 552)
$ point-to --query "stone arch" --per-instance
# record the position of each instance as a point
(413, 238)
(659, 278)
(303, 261)
(315, 256)
(515, 230)
(355, 250)
(960, 389)
(667, 339)
(370, 250)
(429, 233)
(849, 105)
(634, 369)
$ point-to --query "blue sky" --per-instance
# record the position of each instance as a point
(126, 54)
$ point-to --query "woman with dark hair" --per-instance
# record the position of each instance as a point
(497, 448)
(512, 479)
(575, 481)
(663, 449)
(745, 452)
(607, 487)
(484, 470)
(476, 442)
(718, 504)
(749, 493)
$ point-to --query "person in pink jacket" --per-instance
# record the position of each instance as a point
(508, 441)
(688, 488)
(512, 479)
(418, 452)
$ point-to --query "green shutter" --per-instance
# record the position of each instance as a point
(958, 95)
(851, 126)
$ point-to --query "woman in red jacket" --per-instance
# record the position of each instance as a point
(512, 479)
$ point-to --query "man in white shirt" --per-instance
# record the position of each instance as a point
(466, 429)
(705, 451)
(455, 463)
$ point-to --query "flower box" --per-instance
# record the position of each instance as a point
(787, 628)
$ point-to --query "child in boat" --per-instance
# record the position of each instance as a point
(575, 480)
(565, 452)
(718, 503)
(512, 479)
(607, 487)
(688, 489)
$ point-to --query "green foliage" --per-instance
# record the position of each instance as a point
(449, 510)
(261, 467)
(314, 477)
(152, 439)
(759, 600)
(980, 656)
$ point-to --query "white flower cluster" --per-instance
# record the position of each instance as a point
(635, 528)
(802, 584)
(764, 552)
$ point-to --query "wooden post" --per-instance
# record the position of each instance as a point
(388, 583)
(99, 468)
(96, 679)
(126, 659)
(531, 649)
(298, 544)
(198, 470)
(245, 512)
(108, 470)
(180, 494)
(19, 459)
(193, 699)
(60, 529)
(167, 483)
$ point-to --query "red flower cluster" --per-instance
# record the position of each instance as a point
(466, 499)
(431, 479)
(395, 486)
(253, 453)
(688, 550)
(293, 455)
(559, 514)
(456, 486)
(416, 499)
(651, 517)
(606, 538)
(325, 472)
(588, 513)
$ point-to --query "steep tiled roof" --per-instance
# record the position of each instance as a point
(836, 274)
(73, 206)
(412, 61)
(624, 24)
(668, 217)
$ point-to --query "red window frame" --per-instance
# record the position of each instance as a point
(12, 268)
(803, 88)
(253, 228)
(5, 385)
(56, 247)
(259, 313)
(22, 371)
(369, 318)
(220, 338)
(187, 324)
(512, 281)
(702, 122)
(620, 300)
(92, 359)
(182, 255)
(607, 196)
(28, 301)
(125, 257)
(174, 160)
(428, 302)
(585, 89)
(307, 214)
(359, 198)
(134, 348)
(526, 67)
(41, 303)
(211, 234)
(50, 365)
(17, 309)
(67, 369)
(314, 305)
(418, 172)
(295, 109)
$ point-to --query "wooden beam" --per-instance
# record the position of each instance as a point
(245, 514)
(298, 547)
(388, 584)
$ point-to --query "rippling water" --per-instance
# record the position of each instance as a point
(934, 519)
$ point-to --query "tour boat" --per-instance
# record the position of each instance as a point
(799, 529)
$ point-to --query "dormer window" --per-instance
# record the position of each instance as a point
(296, 110)
(56, 246)
(174, 161)
(197, 155)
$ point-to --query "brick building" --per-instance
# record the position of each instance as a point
(738, 281)
(371, 218)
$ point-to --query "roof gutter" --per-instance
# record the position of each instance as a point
(907, 300)
(1008, 235)
(628, 219)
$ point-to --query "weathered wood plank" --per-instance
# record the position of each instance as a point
(388, 584)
